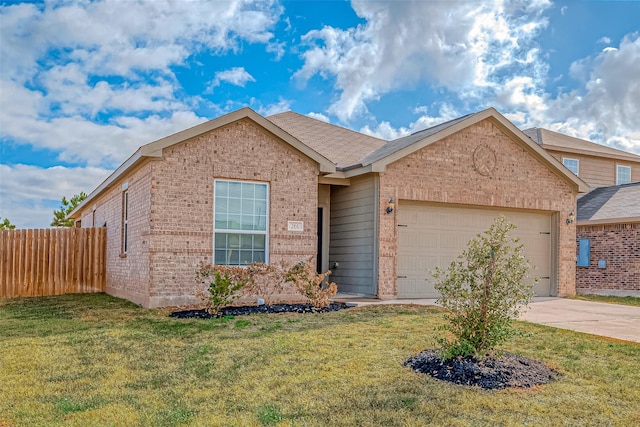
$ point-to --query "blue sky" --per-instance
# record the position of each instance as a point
(83, 84)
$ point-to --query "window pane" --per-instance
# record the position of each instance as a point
(235, 206)
(258, 256)
(571, 164)
(260, 207)
(247, 206)
(258, 241)
(261, 192)
(235, 189)
(221, 241)
(233, 257)
(222, 189)
(246, 257)
(220, 257)
(221, 223)
(234, 222)
(624, 175)
(248, 190)
(233, 241)
(261, 223)
(247, 222)
(246, 241)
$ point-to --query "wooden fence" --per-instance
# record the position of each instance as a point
(52, 261)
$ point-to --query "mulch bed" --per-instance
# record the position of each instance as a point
(507, 371)
(256, 309)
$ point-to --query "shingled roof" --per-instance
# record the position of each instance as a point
(342, 146)
(618, 203)
(551, 140)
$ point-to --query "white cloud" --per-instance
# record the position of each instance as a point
(319, 116)
(237, 76)
(268, 110)
(604, 40)
(606, 108)
(467, 47)
(385, 130)
(29, 194)
(65, 63)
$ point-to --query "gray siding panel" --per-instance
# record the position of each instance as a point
(353, 231)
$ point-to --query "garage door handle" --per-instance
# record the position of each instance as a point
(402, 225)
(402, 277)
(547, 277)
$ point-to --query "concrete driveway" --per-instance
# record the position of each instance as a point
(608, 320)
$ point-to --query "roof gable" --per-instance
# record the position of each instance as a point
(399, 148)
(555, 141)
(154, 149)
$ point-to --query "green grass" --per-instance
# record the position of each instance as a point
(635, 301)
(82, 360)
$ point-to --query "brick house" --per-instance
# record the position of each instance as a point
(608, 241)
(284, 188)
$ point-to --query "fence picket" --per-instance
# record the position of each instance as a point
(52, 261)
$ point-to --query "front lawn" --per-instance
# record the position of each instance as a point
(93, 360)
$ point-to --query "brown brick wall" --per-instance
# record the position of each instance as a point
(444, 173)
(619, 246)
(127, 276)
(181, 230)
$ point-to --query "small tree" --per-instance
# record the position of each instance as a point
(60, 216)
(483, 292)
(5, 224)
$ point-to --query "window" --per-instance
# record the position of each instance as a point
(125, 222)
(623, 174)
(584, 253)
(240, 222)
(571, 164)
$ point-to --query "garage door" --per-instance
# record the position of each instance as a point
(430, 236)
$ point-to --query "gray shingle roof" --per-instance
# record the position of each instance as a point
(404, 142)
(618, 201)
(342, 146)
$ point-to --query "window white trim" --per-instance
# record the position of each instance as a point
(577, 171)
(264, 232)
(124, 231)
(627, 169)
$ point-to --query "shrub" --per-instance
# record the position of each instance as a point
(223, 285)
(483, 292)
(310, 284)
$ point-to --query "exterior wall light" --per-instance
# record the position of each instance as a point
(570, 218)
(391, 205)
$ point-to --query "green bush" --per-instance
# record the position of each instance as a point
(483, 292)
(223, 285)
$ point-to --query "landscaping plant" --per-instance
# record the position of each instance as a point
(311, 284)
(483, 292)
(223, 284)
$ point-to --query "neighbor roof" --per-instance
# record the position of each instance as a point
(615, 204)
(556, 141)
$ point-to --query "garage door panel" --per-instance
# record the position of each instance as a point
(438, 235)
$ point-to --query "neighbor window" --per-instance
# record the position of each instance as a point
(623, 174)
(571, 164)
(584, 253)
(125, 221)
(240, 222)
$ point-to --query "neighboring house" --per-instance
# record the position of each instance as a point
(596, 164)
(608, 241)
(286, 188)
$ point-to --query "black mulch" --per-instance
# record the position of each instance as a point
(506, 371)
(255, 309)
